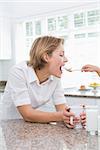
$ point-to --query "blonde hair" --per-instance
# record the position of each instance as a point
(45, 44)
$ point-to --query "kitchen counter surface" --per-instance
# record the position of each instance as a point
(75, 92)
(20, 135)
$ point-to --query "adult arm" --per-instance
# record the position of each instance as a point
(91, 68)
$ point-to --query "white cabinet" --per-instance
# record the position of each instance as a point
(5, 38)
(83, 100)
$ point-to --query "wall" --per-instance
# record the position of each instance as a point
(5, 65)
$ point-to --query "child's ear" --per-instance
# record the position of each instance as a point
(46, 57)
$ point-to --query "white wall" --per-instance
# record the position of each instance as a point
(5, 65)
(34, 7)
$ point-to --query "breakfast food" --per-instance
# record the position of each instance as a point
(94, 84)
(82, 87)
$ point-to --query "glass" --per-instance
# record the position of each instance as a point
(95, 87)
(77, 110)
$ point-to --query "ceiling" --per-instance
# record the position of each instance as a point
(24, 8)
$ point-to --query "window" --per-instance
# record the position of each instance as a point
(79, 19)
(28, 42)
(81, 35)
(62, 22)
(29, 29)
(38, 27)
(94, 34)
(51, 24)
(93, 17)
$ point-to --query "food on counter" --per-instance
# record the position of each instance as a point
(94, 84)
(82, 87)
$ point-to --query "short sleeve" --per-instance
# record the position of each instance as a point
(17, 85)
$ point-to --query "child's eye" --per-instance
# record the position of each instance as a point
(62, 55)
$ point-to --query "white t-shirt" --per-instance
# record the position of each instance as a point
(23, 88)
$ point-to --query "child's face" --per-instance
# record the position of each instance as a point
(56, 61)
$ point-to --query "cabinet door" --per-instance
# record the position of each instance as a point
(80, 100)
(5, 38)
(98, 103)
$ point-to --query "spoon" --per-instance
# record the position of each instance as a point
(71, 70)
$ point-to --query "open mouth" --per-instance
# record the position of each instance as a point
(61, 69)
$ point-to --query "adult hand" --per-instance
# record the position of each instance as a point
(90, 68)
(83, 119)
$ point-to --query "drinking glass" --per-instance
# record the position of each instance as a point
(77, 110)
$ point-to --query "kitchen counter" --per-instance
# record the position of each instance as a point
(20, 135)
(75, 92)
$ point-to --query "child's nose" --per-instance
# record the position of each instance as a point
(65, 59)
